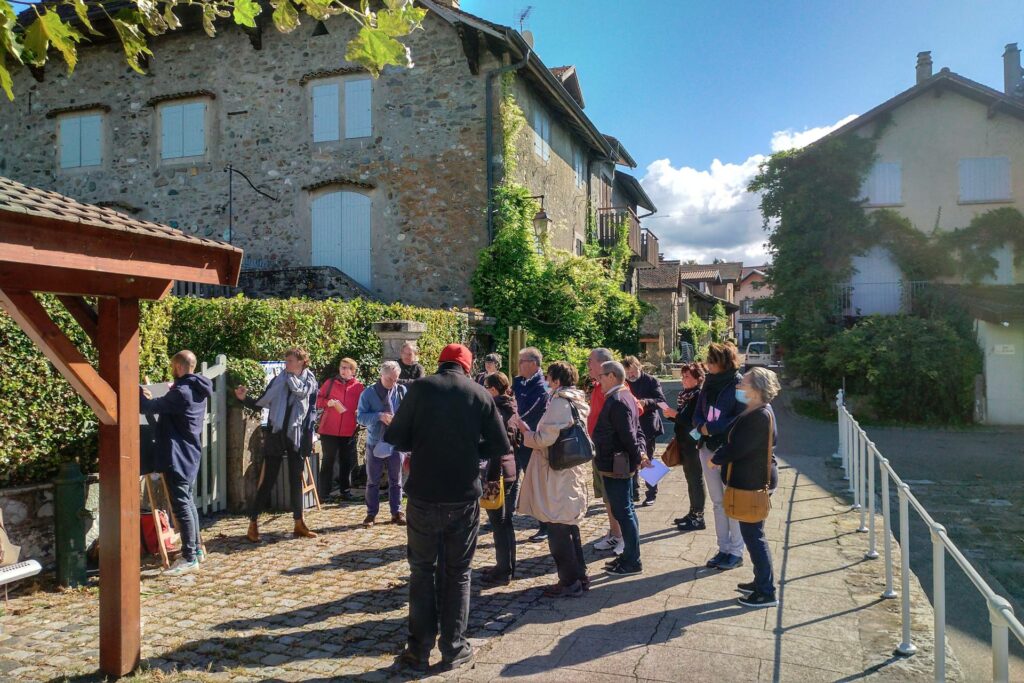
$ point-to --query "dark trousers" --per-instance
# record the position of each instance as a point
(505, 532)
(340, 449)
(652, 491)
(275, 449)
(567, 549)
(184, 506)
(694, 478)
(757, 546)
(617, 491)
(442, 542)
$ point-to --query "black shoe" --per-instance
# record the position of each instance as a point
(493, 579)
(614, 562)
(541, 535)
(713, 562)
(623, 569)
(346, 497)
(692, 524)
(747, 588)
(411, 661)
(730, 562)
(758, 600)
(648, 502)
(680, 520)
(460, 660)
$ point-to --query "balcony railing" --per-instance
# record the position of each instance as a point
(877, 298)
(608, 221)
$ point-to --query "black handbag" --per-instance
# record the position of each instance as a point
(573, 446)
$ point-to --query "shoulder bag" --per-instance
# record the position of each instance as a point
(749, 506)
(672, 457)
(573, 446)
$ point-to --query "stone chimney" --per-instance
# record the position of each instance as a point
(924, 66)
(1011, 70)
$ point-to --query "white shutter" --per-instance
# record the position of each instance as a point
(884, 184)
(1003, 274)
(984, 179)
(91, 137)
(193, 128)
(171, 135)
(546, 123)
(326, 121)
(355, 224)
(327, 230)
(70, 142)
(538, 131)
(357, 108)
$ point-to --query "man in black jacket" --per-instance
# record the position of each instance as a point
(449, 424)
(620, 452)
(649, 394)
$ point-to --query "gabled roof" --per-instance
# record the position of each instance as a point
(711, 299)
(547, 85)
(631, 186)
(700, 273)
(663, 276)
(996, 101)
(751, 270)
(622, 157)
(730, 270)
(571, 80)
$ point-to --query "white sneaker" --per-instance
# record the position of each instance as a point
(620, 546)
(609, 542)
(182, 566)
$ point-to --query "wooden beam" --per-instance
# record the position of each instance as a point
(26, 277)
(82, 312)
(65, 356)
(120, 630)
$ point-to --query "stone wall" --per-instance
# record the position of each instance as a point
(423, 167)
(28, 519)
(323, 282)
(662, 321)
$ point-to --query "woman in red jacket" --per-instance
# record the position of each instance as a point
(338, 399)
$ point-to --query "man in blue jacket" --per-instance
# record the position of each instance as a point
(531, 392)
(179, 447)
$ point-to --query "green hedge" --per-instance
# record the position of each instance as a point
(46, 423)
(910, 369)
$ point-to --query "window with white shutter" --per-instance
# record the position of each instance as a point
(341, 233)
(81, 140)
(541, 132)
(326, 108)
(884, 184)
(182, 130)
(984, 179)
(579, 166)
(358, 122)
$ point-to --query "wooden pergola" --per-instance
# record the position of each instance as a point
(50, 243)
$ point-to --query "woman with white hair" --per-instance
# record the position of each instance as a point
(748, 463)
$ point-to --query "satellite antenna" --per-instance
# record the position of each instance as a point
(523, 16)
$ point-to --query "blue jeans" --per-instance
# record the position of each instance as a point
(619, 494)
(757, 546)
(185, 512)
(374, 468)
(442, 542)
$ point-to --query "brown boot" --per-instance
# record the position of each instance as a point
(368, 522)
(253, 534)
(302, 531)
(398, 518)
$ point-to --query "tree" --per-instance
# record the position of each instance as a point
(63, 25)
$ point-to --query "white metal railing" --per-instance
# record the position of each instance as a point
(860, 458)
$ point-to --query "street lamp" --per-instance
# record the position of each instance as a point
(540, 220)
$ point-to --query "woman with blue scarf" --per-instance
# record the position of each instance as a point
(287, 398)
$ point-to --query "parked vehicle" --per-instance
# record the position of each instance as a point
(761, 354)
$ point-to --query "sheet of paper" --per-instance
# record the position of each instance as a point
(652, 475)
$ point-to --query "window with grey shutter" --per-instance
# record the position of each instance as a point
(984, 179)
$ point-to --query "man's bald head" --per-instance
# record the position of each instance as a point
(183, 363)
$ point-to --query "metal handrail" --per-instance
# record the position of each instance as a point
(859, 456)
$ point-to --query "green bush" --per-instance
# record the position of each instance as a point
(46, 423)
(910, 369)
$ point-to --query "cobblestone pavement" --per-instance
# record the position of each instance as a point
(334, 608)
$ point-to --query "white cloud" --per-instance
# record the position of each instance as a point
(708, 214)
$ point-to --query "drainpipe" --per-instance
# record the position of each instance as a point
(489, 108)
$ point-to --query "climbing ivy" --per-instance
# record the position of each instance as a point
(985, 233)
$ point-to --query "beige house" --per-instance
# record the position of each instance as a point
(359, 186)
(753, 324)
(950, 148)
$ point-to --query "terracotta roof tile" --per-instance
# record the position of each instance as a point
(664, 276)
(696, 273)
(17, 198)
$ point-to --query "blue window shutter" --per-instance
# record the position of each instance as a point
(92, 140)
(193, 128)
(70, 142)
(326, 236)
(355, 223)
(358, 117)
(171, 131)
(326, 119)
(984, 179)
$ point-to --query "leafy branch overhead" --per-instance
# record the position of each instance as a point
(64, 25)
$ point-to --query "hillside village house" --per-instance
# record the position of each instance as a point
(950, 149)
(367, 187)
(752, 323)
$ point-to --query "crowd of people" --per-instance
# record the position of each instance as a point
(447, 439)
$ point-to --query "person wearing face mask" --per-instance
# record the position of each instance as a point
(716, 410)
(650, 396)
(338, 398)
(287, 398)
(746, 461)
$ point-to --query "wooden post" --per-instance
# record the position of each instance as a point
(118, 347)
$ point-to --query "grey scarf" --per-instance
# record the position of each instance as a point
(288, 389)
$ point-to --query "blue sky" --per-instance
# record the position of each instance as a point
(698, 90)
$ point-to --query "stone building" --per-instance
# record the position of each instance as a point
(373, 187)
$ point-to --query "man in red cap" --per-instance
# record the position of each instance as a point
(449, 423)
